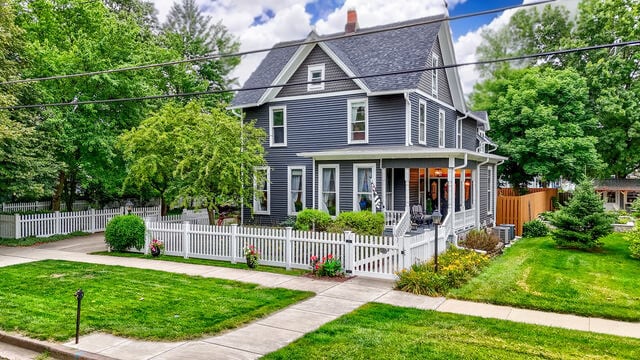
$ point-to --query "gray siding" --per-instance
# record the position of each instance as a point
(399, 194)
(469, 129)
(433, 109)
(331, 71)
(321, 124)
(483, 205)
(444, 93)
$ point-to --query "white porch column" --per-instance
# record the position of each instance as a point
(462, 191)
(451, 179)
(406, 189)
(475, 175)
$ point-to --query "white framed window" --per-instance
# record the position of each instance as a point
(441, 128)
(329, 189)
(363, 176)
(262, 190)
(277, 126)
(435, 62)
(315, 77)
(459, 133)
(297, 189)
(482, 145)
(358, 117)
(422, 122)
(489, 190)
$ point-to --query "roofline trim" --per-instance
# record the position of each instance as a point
(409, 153)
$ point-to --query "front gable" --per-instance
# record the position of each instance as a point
(317, 58)
(426, 84)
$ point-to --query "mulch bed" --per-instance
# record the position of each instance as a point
(338, 279)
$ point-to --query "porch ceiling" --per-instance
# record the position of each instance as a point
(399, 152)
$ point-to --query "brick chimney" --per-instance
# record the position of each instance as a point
(352, 22)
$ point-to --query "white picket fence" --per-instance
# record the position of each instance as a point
(200, 217)
(18, 226)
(371, 256)
(78, 205)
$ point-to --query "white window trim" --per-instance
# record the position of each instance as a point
(422, 135)
(255, 189)
(284, 125)
(372, 167)
(489, 190)
(320, 203)
(315, 86)
(459, 133)
(435, 61)
(304, 189)
(482, 145)
(442, 130)
(366, 121)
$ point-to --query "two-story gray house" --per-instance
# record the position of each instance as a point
(345, 111)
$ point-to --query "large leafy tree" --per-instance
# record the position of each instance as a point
(540, 119)
(195, 152)
(191, 33)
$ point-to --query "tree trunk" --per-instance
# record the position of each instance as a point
(71, 190)
(163, 205)
(212, 213)
(57, 194)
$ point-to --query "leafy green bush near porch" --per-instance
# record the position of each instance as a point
(124, 232)
(360, 222)
(309, 219)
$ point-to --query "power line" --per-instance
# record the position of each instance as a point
(280, 46)
(201, 93)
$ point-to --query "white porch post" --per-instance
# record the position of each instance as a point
(406, 189)
(451, 179)
(475, 175)
(462, 193)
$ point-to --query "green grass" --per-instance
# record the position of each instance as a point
(219, 263)
(37, 299)
(32, 240)
(535, 274)
(378, 331)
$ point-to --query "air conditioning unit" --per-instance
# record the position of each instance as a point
(512, 230)
(504, 234)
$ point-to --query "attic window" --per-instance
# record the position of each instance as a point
(315, 77)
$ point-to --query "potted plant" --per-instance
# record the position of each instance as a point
(252, 255)
(156, 247)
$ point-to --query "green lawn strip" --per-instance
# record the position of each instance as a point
(37, 299)
(220, 263)
(33, 240)
(380, 331)
(534, 274)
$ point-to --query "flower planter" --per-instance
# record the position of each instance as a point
(155, 252)
(252, 262)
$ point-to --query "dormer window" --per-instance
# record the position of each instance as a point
(315, 77)
(435, 62)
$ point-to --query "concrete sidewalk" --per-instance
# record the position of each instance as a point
(279, 329)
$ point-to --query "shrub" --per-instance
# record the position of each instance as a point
(633, 237)
(328, 266)
(480, 240)
(583, 221)
(360, 222)
(534, 228)
(456, 267)
(288, 222)
(308, 218)
(635, 208)
(125, 231)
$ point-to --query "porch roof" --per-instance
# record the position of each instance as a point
(399, 152)
(617, 185)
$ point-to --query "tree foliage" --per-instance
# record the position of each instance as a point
(583, 221)
(539, 118)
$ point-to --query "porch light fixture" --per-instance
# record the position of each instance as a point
(436, 217)
(438, 172)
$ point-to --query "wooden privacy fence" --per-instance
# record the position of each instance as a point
(18, 226)
(372, 256)
(519, 209)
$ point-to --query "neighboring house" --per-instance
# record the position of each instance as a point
(618, 194)
(411, 134)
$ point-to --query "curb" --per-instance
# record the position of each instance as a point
(54, 350)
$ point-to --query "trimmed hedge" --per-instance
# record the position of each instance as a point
(124, 232)
(309, 218)
(360, 222)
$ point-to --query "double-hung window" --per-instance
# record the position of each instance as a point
(297, 193)
(422, 122)
(441, 128)
(364, 176)
(329, 186)
(262, 190)
(435, 62)
(278, 126)
(358, 115)
(315, 77)
(459, 133)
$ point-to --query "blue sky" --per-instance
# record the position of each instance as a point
(462, 26)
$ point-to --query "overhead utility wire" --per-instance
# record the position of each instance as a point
(201, 93)
(280, 46)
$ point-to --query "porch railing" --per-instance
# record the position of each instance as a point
(392, 218)
(465, 219)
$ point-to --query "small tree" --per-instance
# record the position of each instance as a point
(583, 221)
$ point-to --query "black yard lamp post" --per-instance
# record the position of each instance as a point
(436, 217)
(129, 206)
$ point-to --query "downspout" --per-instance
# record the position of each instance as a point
(240, 116)
(495, 181)
(407, 132)
(313, 184)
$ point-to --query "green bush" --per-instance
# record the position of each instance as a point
(288, 222)
(534, 228)
(480, 240)
(635, 208)
(308, 218)
(456, 267)
(124, 232)
(633, 237)
(360, 222)
(583, 221)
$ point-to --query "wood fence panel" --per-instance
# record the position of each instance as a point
(518, 210)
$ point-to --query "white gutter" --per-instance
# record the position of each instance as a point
(407, 122)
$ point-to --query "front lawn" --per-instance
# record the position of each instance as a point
(379, 331)
(534, 274)
(37, 299)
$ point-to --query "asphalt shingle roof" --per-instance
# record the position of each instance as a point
(395, 50)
